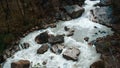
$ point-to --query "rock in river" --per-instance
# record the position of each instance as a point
(56, 39)
(21, 64)
(71, 54)
(57, 48)
(42, 38)
(74, 11)
(42, 49)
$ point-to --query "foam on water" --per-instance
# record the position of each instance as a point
(83, 28)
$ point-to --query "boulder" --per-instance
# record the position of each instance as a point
(43, 49)
(57, 48)
(103, 15)
(74, 11)
(42, 38)
(21, 64)
(71, 54)
(98, 64)
(56, 39)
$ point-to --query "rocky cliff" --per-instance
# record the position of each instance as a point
(109, 47)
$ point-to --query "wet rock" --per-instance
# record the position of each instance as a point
(51, 57)
(42, 38)
(25, 45)
(71, 54)
(44, 62)
(74, 11)
(95, 27)
(21, 64)
(56, 39)
(57, 48)
(43, 49)
(2, 59)
(70, 34)
(98, 64)
(66, 28)
(86, 39)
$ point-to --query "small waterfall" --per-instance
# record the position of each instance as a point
(82, 26)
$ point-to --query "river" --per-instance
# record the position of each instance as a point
(83, 27)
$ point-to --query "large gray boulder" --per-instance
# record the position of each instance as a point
(56, 39)
(71, 54)
(74, 11)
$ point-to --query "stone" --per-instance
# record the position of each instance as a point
(95, 27)
(98, 64)
(21, 64)
(66, 28)
(71, 54)
(86, 39)
(103, 15)
(57, 48)
(42, 38)
(25, 45)
(43, 49)
(44, 62)
(74, 11)
(70, 34)
(56, 39)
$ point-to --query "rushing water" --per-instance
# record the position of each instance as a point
(83, 28)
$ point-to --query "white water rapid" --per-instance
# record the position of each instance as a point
(83, 28)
